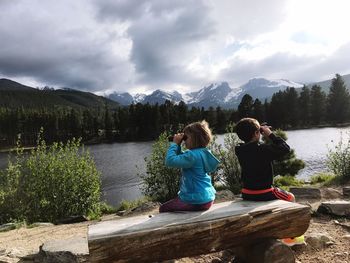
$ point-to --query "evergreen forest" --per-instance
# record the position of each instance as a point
(106, 122)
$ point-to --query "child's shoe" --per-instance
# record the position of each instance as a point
(292, 241)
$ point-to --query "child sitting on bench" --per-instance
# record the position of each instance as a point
(196, 190)
(255, 159)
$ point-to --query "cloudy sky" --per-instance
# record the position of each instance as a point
(139, 46)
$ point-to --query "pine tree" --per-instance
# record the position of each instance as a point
(338, 101)
(276, 110)
(291, 107)
(304, 105)
(258, 111)
(245, 108)
(108, 124)
(317, 105)
(221, 120)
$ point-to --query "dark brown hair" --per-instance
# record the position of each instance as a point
(246, 128)
(200, 134)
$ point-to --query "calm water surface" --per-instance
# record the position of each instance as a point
(120, 163)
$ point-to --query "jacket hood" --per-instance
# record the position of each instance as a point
(209, 160)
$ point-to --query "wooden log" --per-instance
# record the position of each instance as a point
(183, 234)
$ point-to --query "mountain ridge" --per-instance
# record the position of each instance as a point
(14, 95)
(214, 94)
(221, 94)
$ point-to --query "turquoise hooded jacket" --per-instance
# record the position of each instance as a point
(195, 183)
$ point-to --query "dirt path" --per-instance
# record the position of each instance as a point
(26, 241)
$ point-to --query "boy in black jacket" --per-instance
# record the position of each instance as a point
(256, 161)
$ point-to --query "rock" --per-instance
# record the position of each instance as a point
(346, 192)
(146, 207)
(15, 253)
(7, 260)
(338, 208)
(346, 237)
(318, 240)
(266, 251)
(216, 260)
(73, 219)
(123, 212)
(331, 193)
(7, 227)
(41, 224)
(224, 195)
(65, 251)
(306, 193)
(344, 225)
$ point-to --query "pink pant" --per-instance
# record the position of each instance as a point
(177, 205)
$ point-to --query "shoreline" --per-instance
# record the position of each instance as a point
(97, 141)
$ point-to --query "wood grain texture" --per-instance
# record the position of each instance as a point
(176, 235)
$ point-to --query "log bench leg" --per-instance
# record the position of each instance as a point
(267, 251)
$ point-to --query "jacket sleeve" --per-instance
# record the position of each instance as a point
(177, 159)
(277, 149)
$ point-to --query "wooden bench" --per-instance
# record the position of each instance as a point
(182, 234)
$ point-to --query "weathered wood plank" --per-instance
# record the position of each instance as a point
(175, 235)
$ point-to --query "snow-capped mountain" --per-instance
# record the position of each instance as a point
(216, 94)
(139, 97)
(264, 88)
(122, 98)
(160, 96)
(212, 95)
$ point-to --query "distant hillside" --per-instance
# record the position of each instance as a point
(327, 83)
(7, 84)
(14, 95)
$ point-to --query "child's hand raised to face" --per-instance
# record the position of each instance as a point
(265, 130)
(178, 138)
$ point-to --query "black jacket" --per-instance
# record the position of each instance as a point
(256, 161)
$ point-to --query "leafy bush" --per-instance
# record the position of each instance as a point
(129, 205)
(289, 164)
(107, 209)
(338, 160)
(284, 182)
(49, 184)
(322, 178)
(160, 183)
(229, 169)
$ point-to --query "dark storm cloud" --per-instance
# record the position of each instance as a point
(164, 35)
(56, 45)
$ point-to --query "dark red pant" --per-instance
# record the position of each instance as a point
(177, 205)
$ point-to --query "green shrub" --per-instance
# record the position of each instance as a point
(289, 164)
(160, 183)
(322, 178)
(284, 182)
(229, 169)
(107, 209)
(50, 183)
(338, 159)
(129, 205)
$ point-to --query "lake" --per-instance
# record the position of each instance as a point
(120, 163)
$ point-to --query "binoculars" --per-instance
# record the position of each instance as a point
(171, 138)
(264, 124)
